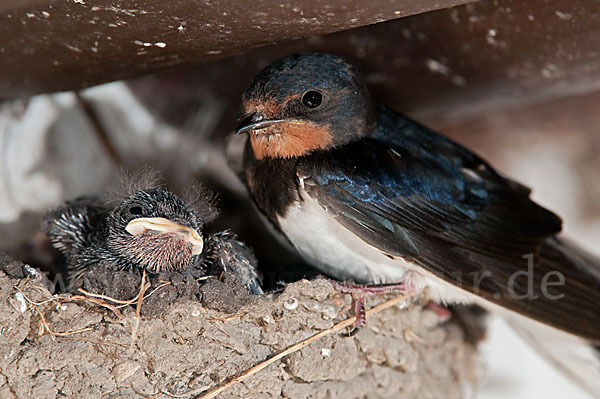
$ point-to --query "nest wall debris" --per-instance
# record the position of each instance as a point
(58, 346)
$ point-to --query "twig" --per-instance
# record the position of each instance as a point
(158, 288)
(143, 288)
(121, 302)
(225, 318)
(108, 298)
(32, 302)
(71, 298)
(97, 301)
(43, 292)
(44, 324)
(64, 334)
(53, 334)
(138, 308)
(289, 350)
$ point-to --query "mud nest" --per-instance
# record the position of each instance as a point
(80, 346)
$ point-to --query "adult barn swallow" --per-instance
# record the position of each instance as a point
(367, 194)
(150, 229)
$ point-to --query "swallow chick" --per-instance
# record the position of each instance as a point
(369, 195)
(107, 241)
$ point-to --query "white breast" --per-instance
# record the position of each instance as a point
(338, 252)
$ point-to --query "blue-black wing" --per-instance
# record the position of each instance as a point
(415, 194)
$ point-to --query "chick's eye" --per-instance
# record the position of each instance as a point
(136, 210)
(312, 99)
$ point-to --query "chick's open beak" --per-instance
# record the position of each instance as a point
(139, 225)
(255, 121)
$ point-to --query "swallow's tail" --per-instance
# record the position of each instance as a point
(578, 358)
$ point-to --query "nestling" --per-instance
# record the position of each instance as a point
(148, 229)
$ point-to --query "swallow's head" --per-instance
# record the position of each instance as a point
(303, 103)
(154, 230)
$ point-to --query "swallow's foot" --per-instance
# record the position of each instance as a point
(359, 293)
(443, 313)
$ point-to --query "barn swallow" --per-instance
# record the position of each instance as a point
(367, 194)
(150, 229)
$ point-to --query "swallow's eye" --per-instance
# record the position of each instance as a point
(312, 99)
(136, 210)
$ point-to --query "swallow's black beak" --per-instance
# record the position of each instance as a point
(255, 121)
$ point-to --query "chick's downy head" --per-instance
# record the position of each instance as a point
(155, 230)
